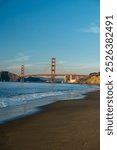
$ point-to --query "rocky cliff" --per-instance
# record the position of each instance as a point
(93, 78)
(7, 76)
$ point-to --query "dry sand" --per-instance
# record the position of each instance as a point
(64, 125)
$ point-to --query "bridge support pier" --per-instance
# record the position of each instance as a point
(69, 79)
(66, 78)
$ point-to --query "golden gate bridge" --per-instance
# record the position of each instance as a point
(52, 74)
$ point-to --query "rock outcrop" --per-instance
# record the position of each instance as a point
(93, 78)
(7, 76)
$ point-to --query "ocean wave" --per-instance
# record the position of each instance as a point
(2, 104)
(12, 94)
(21, 99)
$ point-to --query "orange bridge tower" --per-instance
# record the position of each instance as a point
(22, 73)
(53, 69)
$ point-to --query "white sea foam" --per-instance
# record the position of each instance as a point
(17, 99)
(3, 104)
(12, 94)
(25, 98)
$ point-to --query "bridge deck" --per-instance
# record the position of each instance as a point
(46, 75)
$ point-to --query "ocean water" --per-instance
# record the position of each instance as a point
(20, 99)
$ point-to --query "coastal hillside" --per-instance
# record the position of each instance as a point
(8, 76)
(93, 78)
(11, 77)
(35, 79)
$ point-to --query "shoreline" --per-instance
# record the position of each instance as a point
(63, 125)
(31, 108)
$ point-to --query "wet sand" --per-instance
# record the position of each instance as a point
(64, 125)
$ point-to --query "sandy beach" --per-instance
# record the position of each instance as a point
(64, 125)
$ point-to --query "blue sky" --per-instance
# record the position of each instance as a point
(33, 31)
